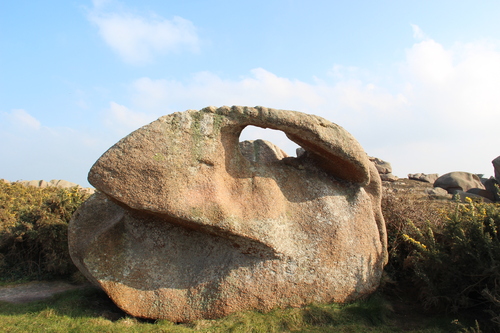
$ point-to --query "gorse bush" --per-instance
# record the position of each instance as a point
(451, 257)
(458, 264)
(398, 210)
(33, 231)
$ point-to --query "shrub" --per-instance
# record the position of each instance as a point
(452, 259)
(398, 211)
(33, 231)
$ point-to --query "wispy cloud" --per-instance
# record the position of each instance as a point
(418, 34)
(342, 101)
(22, 119)
(31, 150)
(122, 120)
(140, 39)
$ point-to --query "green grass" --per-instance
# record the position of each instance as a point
(90, 310)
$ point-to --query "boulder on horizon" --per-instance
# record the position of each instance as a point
(458, 181)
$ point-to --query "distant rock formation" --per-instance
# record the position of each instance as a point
(188, 223)
(437, 192)
(384, 169)
(429, 178)
(458, 181)
(467, 185)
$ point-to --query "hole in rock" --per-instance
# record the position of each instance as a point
(258, 153)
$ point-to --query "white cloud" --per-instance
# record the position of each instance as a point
(455, 106)
(428, 61)
(23, 119)
(418, 34)
(139, 39)
(98, 4)
(122, 120)
(351, 103)
(262, 87)
(459, 86)
(440, 112)
(32, 151)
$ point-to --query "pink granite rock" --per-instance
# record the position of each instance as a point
(187, 227)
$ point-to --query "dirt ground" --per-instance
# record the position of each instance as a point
(34, 291)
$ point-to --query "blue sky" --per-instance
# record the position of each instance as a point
(416, 82)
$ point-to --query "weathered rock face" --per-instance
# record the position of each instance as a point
(261, 151)
(458, 181)
(485, 195)
(186, 227)
(490, 185)
(496, 168)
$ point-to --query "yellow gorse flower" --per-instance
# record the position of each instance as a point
(414, 241)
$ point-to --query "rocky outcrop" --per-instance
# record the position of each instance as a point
(461, 196)
(437, 192)
(496, 167)
(382, 166)
(429, 178)
(384, 169)
(485, 194)
(388, 177)
(458, 181)
(491, 186)
(34, 183)
(190, 224)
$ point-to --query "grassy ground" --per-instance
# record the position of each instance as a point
(90, 310)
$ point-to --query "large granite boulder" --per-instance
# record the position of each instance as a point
(186, 225)
(458, 181)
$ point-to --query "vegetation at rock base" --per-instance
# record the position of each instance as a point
(444, 262)
(448, 254)
(33, 231)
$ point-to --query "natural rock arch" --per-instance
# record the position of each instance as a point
(185, 227)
